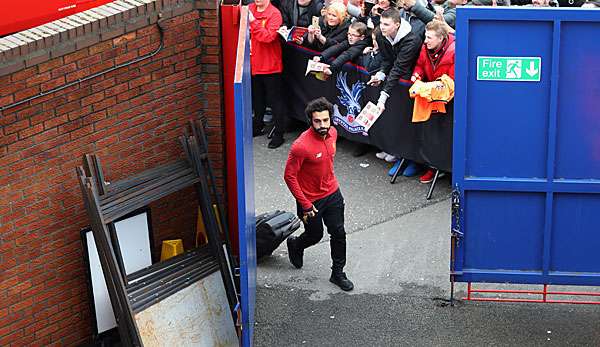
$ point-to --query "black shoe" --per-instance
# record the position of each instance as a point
(295, 253)
(360, 149)
(341, 281)
(276, 141)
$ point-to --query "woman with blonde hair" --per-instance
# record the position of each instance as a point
(333, 28)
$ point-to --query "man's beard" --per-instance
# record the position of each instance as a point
(322, 131)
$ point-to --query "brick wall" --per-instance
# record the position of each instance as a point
(130, 117)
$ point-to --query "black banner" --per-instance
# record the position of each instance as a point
(394, 132)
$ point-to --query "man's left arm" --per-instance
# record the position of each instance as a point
(266, 32)
(292, 167)
(426, 15)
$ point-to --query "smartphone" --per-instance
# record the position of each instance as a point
(315, 22)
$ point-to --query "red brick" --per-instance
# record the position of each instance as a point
(39, 78)
(7, 139)
(12, 87)
(126, 95)
(89, 61)
(116, 90)
(29, 111)
(129, 56)
(106, 123)
(57, 82)
(45, 147)
(19, 288)
(102, 66)
(21, 305)
(14, 127)
(49, 65)
(140, 81)
(58, 120)
(112, 53)
(103, 85)
(79, 113)
(86, 130)
(209, 59)
(92, 98)
(100, 47)
(24, 74)
(80, 73)
(185, 64)
(94, 117)
(80, 93)
(124, 39)
(32, 130)
(66, 108)
(25, 93)
(63, 70)
(47, 330)
(14, 336)
(7, 119)
(51, 104)
(69, 58)
(141, 42)
(104, 104)
(37, 325)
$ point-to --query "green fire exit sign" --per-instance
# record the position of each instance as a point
(516, 69)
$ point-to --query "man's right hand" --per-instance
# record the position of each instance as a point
(309, 214)
(374, 81)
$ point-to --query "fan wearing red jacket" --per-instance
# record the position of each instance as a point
(266, 66)
(309, 176)
(436, 59)
(437, 54)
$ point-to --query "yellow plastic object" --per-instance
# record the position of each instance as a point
(171, 248)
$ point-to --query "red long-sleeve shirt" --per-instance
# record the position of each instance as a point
(309, 169)
(265, 48)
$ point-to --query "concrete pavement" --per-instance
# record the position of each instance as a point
(398, 255)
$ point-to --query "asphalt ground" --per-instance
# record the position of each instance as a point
(398, 258)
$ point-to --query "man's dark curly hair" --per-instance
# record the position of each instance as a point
(318, 105)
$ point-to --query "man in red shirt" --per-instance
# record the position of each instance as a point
(309, 176)
(266, 66)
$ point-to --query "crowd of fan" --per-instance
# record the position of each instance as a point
(393, 39)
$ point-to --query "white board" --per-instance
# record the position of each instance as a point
(134, 242)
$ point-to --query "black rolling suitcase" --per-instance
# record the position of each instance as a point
(272, 228)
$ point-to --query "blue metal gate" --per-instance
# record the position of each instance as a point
(245, 180)
(526, 161)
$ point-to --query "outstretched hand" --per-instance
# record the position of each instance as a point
(374, 81)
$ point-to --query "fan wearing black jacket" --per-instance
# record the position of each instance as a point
(333, 28)
(300, 12)
(399, 48)
(347, 50)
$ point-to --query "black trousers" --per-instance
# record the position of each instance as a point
(267, 90)
(331, 212)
